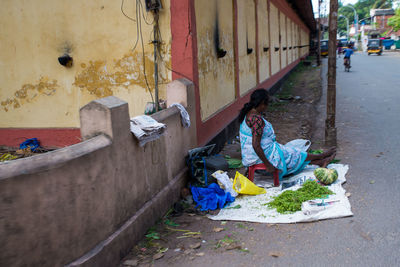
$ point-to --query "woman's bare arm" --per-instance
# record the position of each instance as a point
(256, 142)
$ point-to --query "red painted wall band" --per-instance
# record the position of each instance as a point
(184, 59)
(48, 137)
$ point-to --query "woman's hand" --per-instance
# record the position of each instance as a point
(256, 142)
(271, 169)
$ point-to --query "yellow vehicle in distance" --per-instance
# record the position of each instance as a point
(324, 48)
(375, 46)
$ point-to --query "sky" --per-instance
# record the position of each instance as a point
(325, 6)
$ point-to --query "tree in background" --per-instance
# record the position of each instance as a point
(362, 8)
(395, 20)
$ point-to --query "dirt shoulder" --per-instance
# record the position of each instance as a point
(293, 112)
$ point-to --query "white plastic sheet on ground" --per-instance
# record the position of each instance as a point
(253, 208)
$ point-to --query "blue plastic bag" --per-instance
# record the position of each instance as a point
(211, 197)
(33, 143)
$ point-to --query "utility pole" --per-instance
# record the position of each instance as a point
(156, 44)
(355, 22)
(330, 129)
(347, 26)
(319, 34)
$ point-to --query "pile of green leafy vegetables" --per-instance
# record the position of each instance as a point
(290, 201)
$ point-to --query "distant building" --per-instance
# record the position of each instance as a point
(379, 18)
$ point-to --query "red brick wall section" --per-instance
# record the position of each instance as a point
(382, 22)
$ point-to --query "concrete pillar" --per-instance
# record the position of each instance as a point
(109, 115)
(182, 91)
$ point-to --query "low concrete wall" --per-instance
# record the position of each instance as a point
(87, 204)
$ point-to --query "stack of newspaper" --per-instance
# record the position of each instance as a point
(146, 129)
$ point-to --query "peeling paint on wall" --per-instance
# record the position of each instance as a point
(246, 46)
(263, 40)
(214, 20)
(275, 44)
(29, 92)
(100, 41)
(207, 58)
(100, 78)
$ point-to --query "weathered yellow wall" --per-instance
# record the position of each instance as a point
(36, 91)
(296, 42)
(301, 42)
(263, 40)
(290, 39)
(305, 40)
(274, 31)
(293, 41)
(214, 19)
(282, 28)
(247, 39)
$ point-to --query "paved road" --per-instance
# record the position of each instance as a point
(368, 124)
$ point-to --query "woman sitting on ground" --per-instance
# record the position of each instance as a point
(258, 143)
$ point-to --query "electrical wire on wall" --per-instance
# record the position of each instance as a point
(139, 35)
(157, 42)
(160, 40)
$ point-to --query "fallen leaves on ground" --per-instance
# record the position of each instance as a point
(276, 254)
(188, 251)
(131, 263)
(228, 243)
(191, 235)
(158, 256)
(195, 245)
(233, 246)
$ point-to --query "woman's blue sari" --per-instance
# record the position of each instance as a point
(287, 159)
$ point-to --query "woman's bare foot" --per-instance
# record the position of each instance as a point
(319, 158)
(329, 152)
(327, 160)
